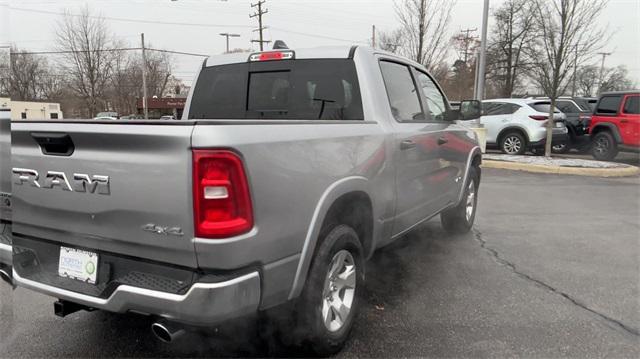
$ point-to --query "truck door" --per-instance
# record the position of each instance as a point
(454, 143)
(420, 185)
(630, 120)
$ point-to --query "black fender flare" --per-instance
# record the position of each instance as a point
(605, 126)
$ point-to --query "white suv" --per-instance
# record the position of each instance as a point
(515, 125)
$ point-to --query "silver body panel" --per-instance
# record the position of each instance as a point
(5, 164)
(296, 171)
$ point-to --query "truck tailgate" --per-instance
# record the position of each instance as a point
(124, 188)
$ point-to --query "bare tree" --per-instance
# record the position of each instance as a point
(90, 61)
(4, 71)
(514, 29)
(29, 76)
(424, 29)
(568, 36)
(390, 41)
(616, 79)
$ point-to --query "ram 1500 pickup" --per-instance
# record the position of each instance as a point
(286, 172)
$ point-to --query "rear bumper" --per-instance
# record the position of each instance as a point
(556, 138)
(202, 304)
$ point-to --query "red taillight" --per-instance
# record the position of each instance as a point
(539, 117)
(221, 199)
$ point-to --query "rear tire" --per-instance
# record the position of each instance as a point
(460, 218)
(513, 143)
(561, 148)
(329, 303)
(604, 146)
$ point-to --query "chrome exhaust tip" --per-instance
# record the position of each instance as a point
(7, 276)
(166, 332)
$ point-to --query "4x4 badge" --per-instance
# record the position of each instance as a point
(166, 231)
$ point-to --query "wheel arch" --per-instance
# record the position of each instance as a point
(607, 127)
(510, 129)
(347, 201)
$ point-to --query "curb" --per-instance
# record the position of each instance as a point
(560, 170)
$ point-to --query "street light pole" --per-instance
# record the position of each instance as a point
(483, 53)
(228, 35)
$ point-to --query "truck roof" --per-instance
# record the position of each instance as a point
(327, 52)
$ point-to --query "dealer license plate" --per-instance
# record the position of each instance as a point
(78, 264)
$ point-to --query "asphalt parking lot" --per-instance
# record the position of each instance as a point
(551, 270)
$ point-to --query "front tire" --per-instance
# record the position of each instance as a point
(330, 300)
(604, 147)
(460, 218)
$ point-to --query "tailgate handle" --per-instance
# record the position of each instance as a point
(54, 144)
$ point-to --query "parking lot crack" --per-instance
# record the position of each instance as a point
(501, 260)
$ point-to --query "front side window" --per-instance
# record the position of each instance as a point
(435, 101)
(498, 108)
(609, 105)
(632, 105)
(402, 93)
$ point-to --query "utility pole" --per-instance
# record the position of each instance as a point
(144, 80)
(604, 56)
(228, 35)
(575, 71)
(483, 54)
(466, 40)
(260, 27)
(373, 36)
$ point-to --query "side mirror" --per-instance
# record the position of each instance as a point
(470, 110)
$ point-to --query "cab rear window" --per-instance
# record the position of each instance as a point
(322, 89)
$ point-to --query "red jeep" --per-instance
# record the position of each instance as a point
(615, 125)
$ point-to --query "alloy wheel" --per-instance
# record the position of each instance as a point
(339, 291)
(471, 195)
(602, 145)
(512, 145)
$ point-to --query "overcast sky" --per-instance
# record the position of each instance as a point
(194, 25)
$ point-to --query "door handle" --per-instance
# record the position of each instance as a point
(624, 121)
(407, 144)
(442, 141)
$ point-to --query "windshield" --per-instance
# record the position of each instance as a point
(289, 90)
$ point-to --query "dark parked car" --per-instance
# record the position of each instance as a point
(578, 114)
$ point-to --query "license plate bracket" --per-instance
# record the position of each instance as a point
(78, 264)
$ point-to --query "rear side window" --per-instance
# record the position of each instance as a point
(567, 107)
(609, 105)
(542, 106)
(632, 105)
(323, 89)
(402, 92)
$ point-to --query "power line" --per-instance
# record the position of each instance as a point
(105, 50)
(260, 28)
(72, 51)
(131, 20)
(190, 24)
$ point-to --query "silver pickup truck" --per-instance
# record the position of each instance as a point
(286, 172)
(5, 194)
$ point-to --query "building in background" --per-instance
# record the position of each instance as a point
(32, 110)
(165, 106)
